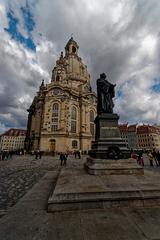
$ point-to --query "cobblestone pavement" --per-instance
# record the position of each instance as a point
(19, 174)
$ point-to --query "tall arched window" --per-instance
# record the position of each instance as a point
(57, 78)
(55, 109)
(91, 122)
(73, 120)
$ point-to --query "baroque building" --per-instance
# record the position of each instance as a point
(146, 137)
(12, 140)
(61, 116)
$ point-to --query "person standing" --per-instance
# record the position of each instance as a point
(150, 157)
(154, 154)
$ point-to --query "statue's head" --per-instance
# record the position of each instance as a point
(103, 75)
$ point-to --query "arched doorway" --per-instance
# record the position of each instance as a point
(52, 145)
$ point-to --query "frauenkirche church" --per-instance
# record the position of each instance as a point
(61, 116)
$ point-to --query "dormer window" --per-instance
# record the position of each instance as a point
(73, 49)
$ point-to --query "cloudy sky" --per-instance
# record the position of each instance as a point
(120, 38)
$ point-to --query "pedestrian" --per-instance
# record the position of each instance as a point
(75, 154)
(61, 157)
(36, 154)
(140, 158)
(158, 157)
(3, 155)
(142, 161)
(65, 156)
(40, 154)
(154, 154)
(134, 155)
(150, 158)
(79, 154)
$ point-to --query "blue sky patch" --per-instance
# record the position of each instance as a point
(28, 25)
(156, 87)
(119, 93)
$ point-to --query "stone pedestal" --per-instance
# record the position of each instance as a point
(111, 166)
(108, 138)
(77, 190)
(109, 153)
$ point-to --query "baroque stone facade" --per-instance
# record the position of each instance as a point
(61, 116)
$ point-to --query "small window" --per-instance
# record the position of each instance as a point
(74, 144)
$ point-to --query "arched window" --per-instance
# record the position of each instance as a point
(73, 49)
(57, 78)
(55, 109)
(73, 120)
(91, 122)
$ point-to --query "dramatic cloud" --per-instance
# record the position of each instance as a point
(120, 38)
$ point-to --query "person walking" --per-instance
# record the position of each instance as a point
(150, 158)
(154, 154)
(134, 155)
(65, 159)
(158, 157)
(140, 159)
(61, 157)
(36, 154)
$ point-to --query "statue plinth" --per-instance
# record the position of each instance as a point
(108, 141)
(109, 153)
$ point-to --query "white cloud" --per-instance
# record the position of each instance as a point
(21, 73)
(3, 17)
(116, 37)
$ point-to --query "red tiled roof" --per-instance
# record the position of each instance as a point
(123, 127)
(15, 132)
(147, 129)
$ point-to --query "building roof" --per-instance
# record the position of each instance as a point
(123, 127)
(14, 132)
(71, 41)
(148, 129)
(132, 128)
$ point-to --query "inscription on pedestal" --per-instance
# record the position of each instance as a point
(108, 132)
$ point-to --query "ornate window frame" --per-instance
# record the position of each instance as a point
(73, 119)
(55, 117)
(74, 144)
(91, 121)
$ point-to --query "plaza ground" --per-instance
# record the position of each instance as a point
(25, 185)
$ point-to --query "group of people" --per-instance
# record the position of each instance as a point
(5, 154)
(138, 156)
(77, 154)
(63, 158)
(153, 157)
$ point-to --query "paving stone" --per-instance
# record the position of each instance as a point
(29, 220)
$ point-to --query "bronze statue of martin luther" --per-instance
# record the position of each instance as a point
(105, 93)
